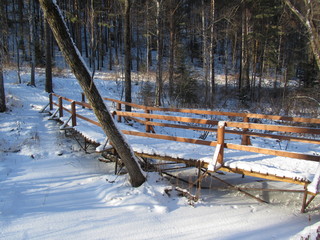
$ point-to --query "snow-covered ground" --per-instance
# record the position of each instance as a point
(51, 189)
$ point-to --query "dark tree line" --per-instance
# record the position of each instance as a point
(186, 44)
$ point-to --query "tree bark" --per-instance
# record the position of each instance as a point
(82, 73)
(32, 42)
(212, 50)
(127, 54)
(2, 92)
(159, 82)
(47, 33)
(307, 21)
(172, 27)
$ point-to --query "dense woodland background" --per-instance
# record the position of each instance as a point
(249, 54)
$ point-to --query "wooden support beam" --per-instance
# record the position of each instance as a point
(73, 113)
(83, 99)
(148, 127)
(118, 109)
(50, 101)
(245, 140)
(60, 107)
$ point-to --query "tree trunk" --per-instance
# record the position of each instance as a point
(32, 42)
(307, 21)
(172, 46)
(2, 93)
(159, 54)
(127, 53)
(47, 33)
(73, 58)
(212, 50)
(205, 60)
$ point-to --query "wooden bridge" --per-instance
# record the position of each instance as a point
(208, 156)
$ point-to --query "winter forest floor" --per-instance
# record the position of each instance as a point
(51, 189)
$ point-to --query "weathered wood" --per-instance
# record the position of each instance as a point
(73, 113)
(263, 175)
(170, 138)
(189, 162)
(273, 152)
(118, 109)
(168, 118)
(83, 99)
(220, 142)
(50, 101)
(218, 113)
(60, 107)
(148, 128)
(89, 120)
(277, 128)
(245, 140)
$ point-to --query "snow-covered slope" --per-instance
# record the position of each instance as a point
(50, 189)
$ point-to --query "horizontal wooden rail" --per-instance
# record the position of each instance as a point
(218, 113)
(257, 126)
(171, 138)
(166, 117)
(276, 128)
(88, 120)
(245, 126)
(273, 152)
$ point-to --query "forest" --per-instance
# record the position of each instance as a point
(261, 56)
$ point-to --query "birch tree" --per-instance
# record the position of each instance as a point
(78, 67)
(306, 14)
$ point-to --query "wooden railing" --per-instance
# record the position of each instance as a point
(245, 128)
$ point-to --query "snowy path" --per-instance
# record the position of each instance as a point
(49, 189)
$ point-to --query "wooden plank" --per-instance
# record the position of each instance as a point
(273, 152)
(276, 128)
(170, 138)
(168, 118)
(88, 120)
(274, 136)
(265, 135)
(83, 104)
(218, 113)
(189, 162)
(263, 175)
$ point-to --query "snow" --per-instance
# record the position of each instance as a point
(315, 184)
(51, 189)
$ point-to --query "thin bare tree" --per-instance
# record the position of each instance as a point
(306, 14)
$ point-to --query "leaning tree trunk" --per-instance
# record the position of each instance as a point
(73, 58)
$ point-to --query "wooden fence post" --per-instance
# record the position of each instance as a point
(245, 140)
(50, 101)
(60, 108)
(220, 141)
(73, 113)
(83, 99)
(148, 129)
(119, 109)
